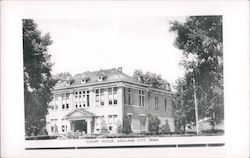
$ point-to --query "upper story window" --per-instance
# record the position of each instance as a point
(65, 101)
(156, 103)
(81, 99)
(99, 97)
(166, 105)
(112, 95)
(129, 96)
(141, 98)
(54, 103)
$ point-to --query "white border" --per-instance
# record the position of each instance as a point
(236, 65)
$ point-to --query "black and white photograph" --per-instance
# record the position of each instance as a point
(123, 77)
(113, 80)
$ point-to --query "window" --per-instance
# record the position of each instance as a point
(55, 105)
(87, 98)
(141, 98)
(112, 120)
(100, 78)
(115, 95)
(129, 96)
(65, 101)
(64, 126)
(102, 96)
(166, 106)
(83, 80)
(81, 99)
(67, 96)
(130, 118)
(67, 83)
(112, 95)
(97, 97)
(156, 103)
(98, 121)
(80, 95)
(53, 127)
(110, 128)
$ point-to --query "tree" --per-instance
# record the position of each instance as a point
(183, 103)
(151, 79)
(126, 125)
(200, 39)
(38, 81)
(153, 123)
(62, 76)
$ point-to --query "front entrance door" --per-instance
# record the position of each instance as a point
(80, 125)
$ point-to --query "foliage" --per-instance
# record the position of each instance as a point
(62, 76)
(38, 80)
(119, 128)
(153, 123)
(200, 39)
(183, 103)
(126, 125)
(73, 135)
(104, 127)
(152, 79)
(165, 127)
(43, 131)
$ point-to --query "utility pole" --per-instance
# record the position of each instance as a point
(196, 108)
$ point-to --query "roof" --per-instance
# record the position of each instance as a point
(81, 113)
(92, 77)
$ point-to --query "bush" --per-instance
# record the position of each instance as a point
(43, 131)
(104, 128)
(119, 128)
(126, 125)
(165, 128)
(153, 123)
(212, 131)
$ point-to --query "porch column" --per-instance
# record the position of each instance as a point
(88, 126)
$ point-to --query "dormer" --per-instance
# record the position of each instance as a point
(167, 86)
(85, 78)
(101, 75)
(100, 78)
(69, 81)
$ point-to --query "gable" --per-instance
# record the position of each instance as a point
(79, 113)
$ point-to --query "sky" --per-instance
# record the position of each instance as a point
(92, 44)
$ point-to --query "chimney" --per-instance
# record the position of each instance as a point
(119, 69)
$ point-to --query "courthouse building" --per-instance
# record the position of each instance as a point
(90, 100)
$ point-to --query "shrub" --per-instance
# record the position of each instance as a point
(104, 127)
(119, 128)
(153, 123)
(165, 128)
(126, 125)
(43, 132)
